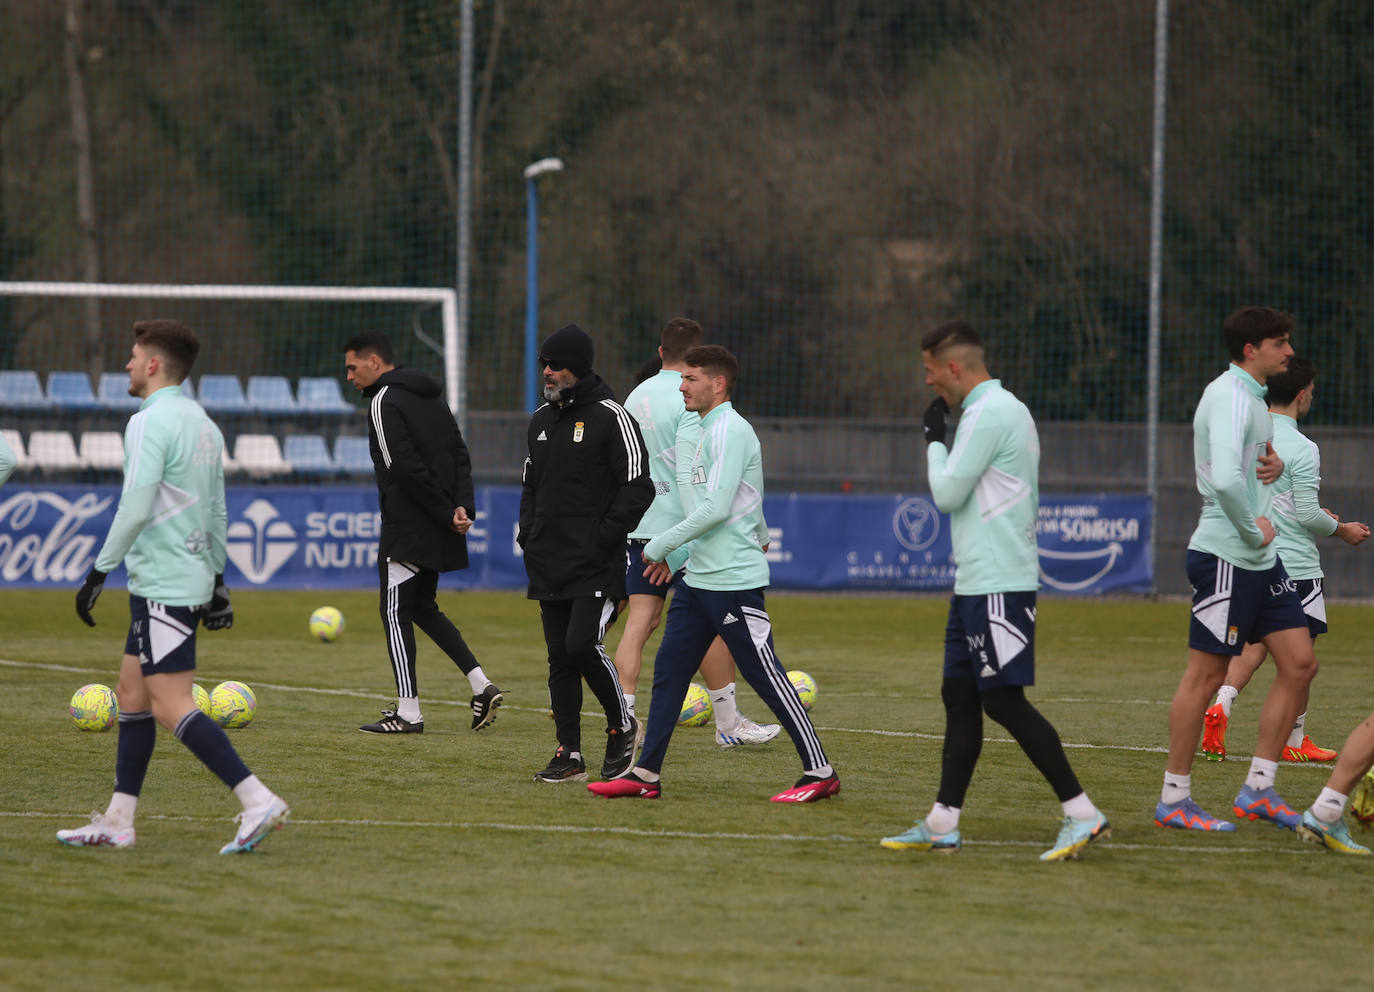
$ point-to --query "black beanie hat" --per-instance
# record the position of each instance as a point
(571, 347)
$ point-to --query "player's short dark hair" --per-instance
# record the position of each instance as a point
(651, 367)
(956, 332)
(1254, 325)
(680, 334)
(714, 360)
(1284, 387)
(371, 343)
(175, 343)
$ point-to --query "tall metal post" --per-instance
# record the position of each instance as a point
(1156, 278)
(533, 172)
(464, 210)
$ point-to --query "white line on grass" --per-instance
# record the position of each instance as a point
(537, 828)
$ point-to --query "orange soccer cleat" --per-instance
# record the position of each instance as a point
(1214, 733)
(1307, 752)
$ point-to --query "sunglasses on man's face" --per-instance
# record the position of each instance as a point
(551, 365)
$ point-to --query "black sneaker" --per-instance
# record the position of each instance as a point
(484, 706)
(620, 750)
(562, 768)
(393, 723)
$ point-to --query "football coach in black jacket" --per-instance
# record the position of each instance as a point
(424, 488)
(586, 484)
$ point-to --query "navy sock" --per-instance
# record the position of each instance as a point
(208, 742)
(137, 735)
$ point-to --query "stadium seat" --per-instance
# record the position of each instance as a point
(54, 451)
(321, 395)
(352, 456)
(308, 454)
(102, 450)
(71, 391)
(20, 389)
(222, 394)
(259, 454)
(230, 466)
(113, 390)
(21, 455)
(271, 394)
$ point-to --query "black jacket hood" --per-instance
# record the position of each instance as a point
(411, 380)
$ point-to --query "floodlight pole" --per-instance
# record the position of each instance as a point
(533, 172)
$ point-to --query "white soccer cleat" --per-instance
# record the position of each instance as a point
(256, 823)
(98, 833)
(747, 732)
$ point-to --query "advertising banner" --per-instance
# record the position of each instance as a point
(325, 537)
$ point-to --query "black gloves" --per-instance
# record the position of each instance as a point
(88, 594)
(935, 420)
(219, 615)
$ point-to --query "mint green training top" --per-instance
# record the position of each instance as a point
(724, 529)
(989, 484)
(170, 527)
(1298, 514)
(7, 460)
(1230, 428)
(671, 432)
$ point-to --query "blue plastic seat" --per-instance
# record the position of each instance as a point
(351, 455)
(71, 391)
(113, 390)
(321, 395)
(308, 454)
(20, 389)
(270, 394)
(222, 394)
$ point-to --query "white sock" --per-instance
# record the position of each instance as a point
(408, 709)
(1262, 774)
(723, 703)
(1080, 807)
(120, 812)
(575, 755)
(1296, 735)
(1176, 788)
(478, 680)
(1226, 695)
(644, 775)
(630, 702)
(1330, 806)
(942, 819)
(825, 771)
(251, 792)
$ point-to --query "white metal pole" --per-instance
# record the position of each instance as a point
(1156, 278)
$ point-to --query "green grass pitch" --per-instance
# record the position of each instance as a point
(435, 861)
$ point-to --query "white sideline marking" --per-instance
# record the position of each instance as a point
(914, 734)
(673, 834)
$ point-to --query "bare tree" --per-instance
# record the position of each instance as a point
(75, 57)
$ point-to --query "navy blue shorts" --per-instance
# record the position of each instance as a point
(162, 637)
(635, 582)
(1235, 606)
(991, 639)
(1313, 605)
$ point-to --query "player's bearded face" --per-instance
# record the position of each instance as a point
(557, 381)
(1273, 354)
(137, 368)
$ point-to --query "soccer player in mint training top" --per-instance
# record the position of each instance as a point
(1241, 592)
(1299, 520)
(169, 531)
(671, 433)
(723, 539)
(989, 485)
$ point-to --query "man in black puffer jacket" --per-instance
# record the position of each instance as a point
(424, 488)
(585, 486)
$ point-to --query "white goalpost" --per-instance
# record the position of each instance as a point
(455, 347)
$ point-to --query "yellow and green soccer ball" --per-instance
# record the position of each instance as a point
(326, 623)
(805, 686)
(94, 707)
(696, 707)
(232, 704)
(201, 697)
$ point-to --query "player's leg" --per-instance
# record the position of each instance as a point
(587, 623)
(397, 606)
(1239, 672)
(565, 695)
(1299, 746)
(733, 728)
(1324, 822)
(641, 620)
(446, 636)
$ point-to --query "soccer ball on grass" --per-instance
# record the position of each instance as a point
(201, 697)
(696, 707)
(94, 707)
(805, 686)
(326, 623)
(232, 704)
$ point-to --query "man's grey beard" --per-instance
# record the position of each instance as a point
(552, 392)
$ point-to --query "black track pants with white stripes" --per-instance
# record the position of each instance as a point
(407, 602)
(573, 631)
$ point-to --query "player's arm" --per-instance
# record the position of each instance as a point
(629, 461)
(685, 452)
(407, 467)
(953, 473)
(1307, 498)
(466, 496)
(1230, 486)
(529, 486)
(714, 498)
(145, 455)
(7, 460)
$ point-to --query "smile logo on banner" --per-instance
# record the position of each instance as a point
(916, 523)
(260, 543)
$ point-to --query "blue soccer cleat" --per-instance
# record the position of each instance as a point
(1074, 835)
(1335, 836)
(1188, 815)
(1267, 805)
(921, 838)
